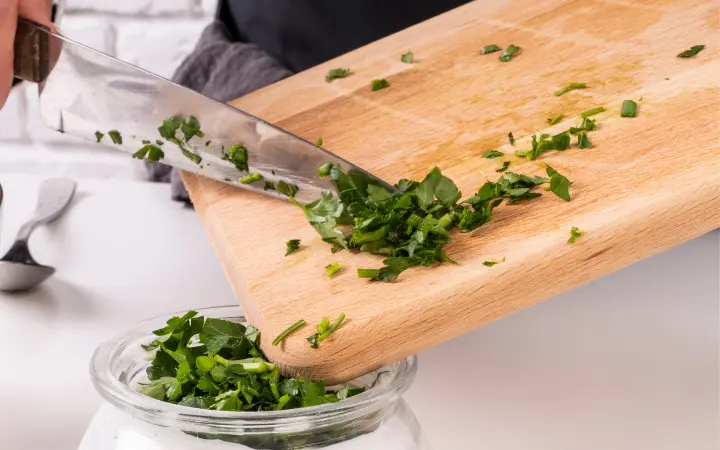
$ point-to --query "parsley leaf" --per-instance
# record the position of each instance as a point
(569, 87)
(168, 129)
(292, 245)
(559, 184)
(191, 127)
(504, 167)
(149, 152)
(508, 54)
(490, 49)
(584, 140)
(407, 58)
(323, 215)
(692, 51)
(99, 136)
(336, 73)
(286, 188)
(115, 136)
(575, 234)
(492, 154)
(238, 156)
(377, 85)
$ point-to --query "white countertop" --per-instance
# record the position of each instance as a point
(627, 362)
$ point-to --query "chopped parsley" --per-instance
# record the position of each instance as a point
(508, 54)
(336, 73)
(493, 154)
(504, 167)
(586, 125)
(286, 188)
(559, 184)
(288, 331)
(324, 170)
(292, 245)
(569, 87)
(250, 178)
(592, 112)
(628, 109)
(99, 136)
(115, 136)
(324, 330)
(492, 263)
(377, 85)
(407, 58)
(511, 138)
(269, 186)
(194, 157)
(238, 156)
(692, 51)
(555, 119)
(319, 142)
(584, 140)
(149, 152)
(490, 49)
(544, 143)
(332, 269)
(218, 365)
(159, 142)
(191, 127)
(575, 233)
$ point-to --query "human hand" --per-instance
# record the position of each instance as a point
(36, 10)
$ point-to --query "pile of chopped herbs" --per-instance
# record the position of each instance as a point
(217, 364)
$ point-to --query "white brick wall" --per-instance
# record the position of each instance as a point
(153, 34)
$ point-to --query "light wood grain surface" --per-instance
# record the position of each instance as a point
(649, 182)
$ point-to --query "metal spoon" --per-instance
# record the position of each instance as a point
(18, 270)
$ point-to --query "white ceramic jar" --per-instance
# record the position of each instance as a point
(377, 419)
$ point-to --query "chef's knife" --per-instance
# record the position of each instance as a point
(84, 91)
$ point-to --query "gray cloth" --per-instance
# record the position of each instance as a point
(223, 70)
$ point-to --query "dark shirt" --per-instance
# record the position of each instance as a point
(304, 33)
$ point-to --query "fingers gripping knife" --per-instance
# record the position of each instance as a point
(92, 95)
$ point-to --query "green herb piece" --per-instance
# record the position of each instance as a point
(250, 178)
(292, 328)
(368, 273)
(238, 156)
(584, 140)
(269, 186)
(292, 245)
(320, 336)
(319, 142)
(511, 138)
(376, 85)
(592, 112)
(115, 136)
(490, 49)
(149, 152)
(99, 136)
(628, 109)
(575, 233)
(169, 127)
(492, 263)
(324, 170)
(332, 269)
(492, 154)
(286, 188)
(159, 142)
(692, 51)
(587, 125)
(336, 73)
(191, 127)
(559, 184)
(569, 87)
(555, 119)
(194, 157)
(504, 167)
(407, 58)
(508, 54)
(145, 141)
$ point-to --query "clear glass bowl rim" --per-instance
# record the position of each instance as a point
(119, 394)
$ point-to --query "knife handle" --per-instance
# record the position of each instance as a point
(32, 51)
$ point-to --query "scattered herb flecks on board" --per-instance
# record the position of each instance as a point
(575, 233)
(408, 57)
(332, 269)
(583, 140)
(569, 87)
(490, 49)
(99, 136)
(555, 119)
(292, 245)
(493, 154)
(324, 330)
(511, 138)
(288, 331)
(504, 167)
(508, 54)
(377, 85)
(559, 184)
(336, 73)
(692, 51)
(319, 142)
(491, 263)
(115, 136)
(217, 364)
(628, 109)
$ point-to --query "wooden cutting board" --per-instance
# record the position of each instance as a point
(649, 182)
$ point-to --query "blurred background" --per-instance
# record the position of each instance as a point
(153, 34)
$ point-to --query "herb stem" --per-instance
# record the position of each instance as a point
(289, 330)
(592, 112)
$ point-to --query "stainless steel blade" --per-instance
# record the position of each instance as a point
(83, 91)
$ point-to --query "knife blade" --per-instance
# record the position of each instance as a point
(84, 91)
